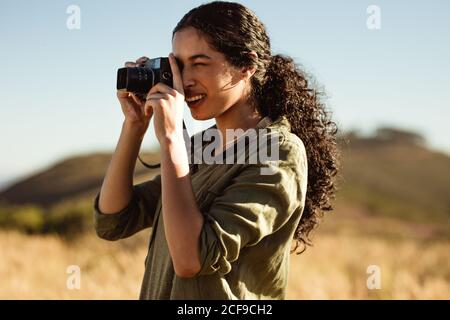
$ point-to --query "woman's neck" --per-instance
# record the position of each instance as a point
(242, 116)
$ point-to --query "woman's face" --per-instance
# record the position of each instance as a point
(206, 72)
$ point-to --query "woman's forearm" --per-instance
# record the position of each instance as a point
(183, 220)
(117, 187)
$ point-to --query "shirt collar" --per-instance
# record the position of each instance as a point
(267, 122)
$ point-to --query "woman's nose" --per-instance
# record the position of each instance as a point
(188, 80)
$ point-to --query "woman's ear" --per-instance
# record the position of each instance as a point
(248, 72)
(253, 54)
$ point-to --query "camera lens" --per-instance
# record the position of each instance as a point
(136, 79)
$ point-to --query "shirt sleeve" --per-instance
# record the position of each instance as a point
(136, 216)
(252, 207)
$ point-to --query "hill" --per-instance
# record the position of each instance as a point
(73, 178)
(389, 174)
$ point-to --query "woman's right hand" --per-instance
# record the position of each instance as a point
(133, 108)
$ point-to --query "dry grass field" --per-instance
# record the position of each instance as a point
(413, 260)
(391, 212)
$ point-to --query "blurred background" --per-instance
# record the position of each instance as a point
(383, 64)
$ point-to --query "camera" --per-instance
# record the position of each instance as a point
(139, 80)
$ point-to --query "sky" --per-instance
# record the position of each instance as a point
(57, 83)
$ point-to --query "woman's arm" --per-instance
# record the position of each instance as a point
(117, 187)
(183, 220)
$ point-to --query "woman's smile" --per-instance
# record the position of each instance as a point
(195, 101)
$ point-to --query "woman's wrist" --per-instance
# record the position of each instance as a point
(134, 129)
(174, 155)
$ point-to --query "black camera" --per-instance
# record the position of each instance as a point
(140, 80)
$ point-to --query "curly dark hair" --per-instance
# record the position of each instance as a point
(278, 87)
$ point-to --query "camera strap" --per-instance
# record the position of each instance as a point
(158, 165)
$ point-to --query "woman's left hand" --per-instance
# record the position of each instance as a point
(168, 106)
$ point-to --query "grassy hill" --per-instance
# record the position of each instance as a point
(391, 210)
(59, 199)
(390, 174)
(73, 178)
(395, 177)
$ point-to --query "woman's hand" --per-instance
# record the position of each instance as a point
(136, 114)
(167, 104)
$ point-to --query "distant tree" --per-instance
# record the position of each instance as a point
(388, 134)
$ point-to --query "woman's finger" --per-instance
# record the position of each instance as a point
(149, 106)
(142, 60)
(156, 96)
(177, 80)
(121, 94)
(162, 88)
(148, 110)
(151, 102)
(136, 99)
(130, 64)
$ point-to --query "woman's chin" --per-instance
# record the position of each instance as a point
(199, 116)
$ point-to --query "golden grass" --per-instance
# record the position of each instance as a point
(412, 266)
(336, 268)
(34, 267)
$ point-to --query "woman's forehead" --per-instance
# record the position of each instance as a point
(189, 42)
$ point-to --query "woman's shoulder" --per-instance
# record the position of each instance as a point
(291, 146)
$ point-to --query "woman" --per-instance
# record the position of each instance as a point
(222, 231)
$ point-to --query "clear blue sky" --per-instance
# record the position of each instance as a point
(58, 85)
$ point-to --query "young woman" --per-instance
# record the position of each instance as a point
(222, 231)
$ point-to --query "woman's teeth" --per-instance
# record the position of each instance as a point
(191, 99)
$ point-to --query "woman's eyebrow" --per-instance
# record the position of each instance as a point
(192, 58)
(196, 56)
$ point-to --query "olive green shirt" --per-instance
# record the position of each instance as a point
(249, 222)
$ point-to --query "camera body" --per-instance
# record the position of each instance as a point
(139, 80)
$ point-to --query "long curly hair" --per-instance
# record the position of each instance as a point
(278, 87)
